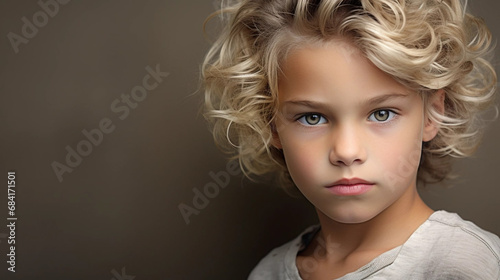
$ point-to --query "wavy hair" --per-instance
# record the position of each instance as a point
(426, 45)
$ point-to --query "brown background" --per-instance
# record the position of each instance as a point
(119, 207)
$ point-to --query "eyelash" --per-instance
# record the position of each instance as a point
(302, 118)
(391, 116)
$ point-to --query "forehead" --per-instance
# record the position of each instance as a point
(335, 67)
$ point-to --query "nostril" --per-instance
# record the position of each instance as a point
(347, 156)
(348, 162)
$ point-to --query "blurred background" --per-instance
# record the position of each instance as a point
(100, 121)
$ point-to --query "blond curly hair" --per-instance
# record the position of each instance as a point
(426, 45)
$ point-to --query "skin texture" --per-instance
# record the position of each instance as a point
(340, 117)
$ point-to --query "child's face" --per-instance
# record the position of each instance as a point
(340, 117)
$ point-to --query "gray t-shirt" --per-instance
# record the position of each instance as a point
(443, 247)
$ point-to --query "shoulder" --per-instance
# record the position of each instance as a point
(453, 230)
(280, 262)
(449, 246)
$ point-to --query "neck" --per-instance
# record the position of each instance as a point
(387, 230)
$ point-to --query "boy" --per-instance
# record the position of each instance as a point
(354, 103)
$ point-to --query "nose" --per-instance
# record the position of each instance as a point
(347, 146)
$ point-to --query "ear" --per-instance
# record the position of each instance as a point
(431, 128)
(276, 142)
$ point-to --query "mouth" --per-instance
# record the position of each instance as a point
(350, 187)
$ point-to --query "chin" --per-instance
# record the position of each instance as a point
(352, 217)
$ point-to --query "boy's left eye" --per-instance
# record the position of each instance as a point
(382, 116)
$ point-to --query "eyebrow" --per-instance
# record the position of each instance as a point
(306, 103)
(372, 101)
(382, 98)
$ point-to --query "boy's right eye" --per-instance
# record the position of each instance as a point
(311, 119)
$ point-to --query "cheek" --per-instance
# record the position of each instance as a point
(303, 161)
(400, 157)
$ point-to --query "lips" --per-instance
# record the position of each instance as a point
(350, 187)
(353, 181)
